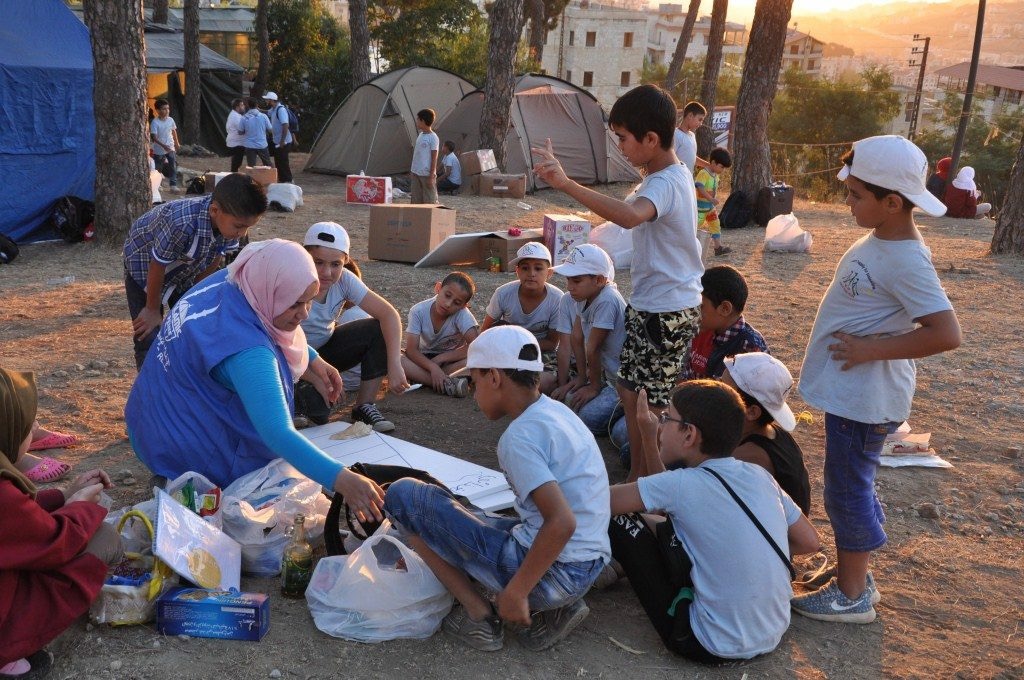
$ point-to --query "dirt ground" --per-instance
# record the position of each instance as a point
(952, 596)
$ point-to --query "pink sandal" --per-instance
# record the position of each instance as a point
(48, 470)
(54, 440)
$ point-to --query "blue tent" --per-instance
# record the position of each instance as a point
(47, 129)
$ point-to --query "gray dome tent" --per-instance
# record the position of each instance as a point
(544, 106)
(374, 128)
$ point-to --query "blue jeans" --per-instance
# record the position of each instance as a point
(596, 414)
(482, 547)
(852, 450)
(167, 164)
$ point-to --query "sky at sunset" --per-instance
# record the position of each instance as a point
(743, 10)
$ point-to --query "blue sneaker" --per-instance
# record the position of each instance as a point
(876, 596)
(829, 603)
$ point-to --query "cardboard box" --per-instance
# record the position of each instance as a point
(223, 614)
(368, 190)
(212, 178)
(562, 233)
(502, 186)
(405, 233)
(502, 246)
(263, 174)
(477, 162)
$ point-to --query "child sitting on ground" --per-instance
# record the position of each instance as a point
(375, 344)
(884, 308)
(706, 183)
(543, 561)
(439, 332)
(727, 597)
(530, 302)
(568, 309)
(763, 383)
(597, 335)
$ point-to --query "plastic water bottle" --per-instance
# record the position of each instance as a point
(524, 206)
(61, 280)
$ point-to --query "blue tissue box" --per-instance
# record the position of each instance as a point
(224, 614)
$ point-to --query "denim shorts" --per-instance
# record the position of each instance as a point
(480, 545)
(852, 450)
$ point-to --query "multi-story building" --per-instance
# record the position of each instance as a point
(999, 89)
(803, 52)
(666, 23)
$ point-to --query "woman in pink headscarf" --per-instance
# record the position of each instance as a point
(219, 398)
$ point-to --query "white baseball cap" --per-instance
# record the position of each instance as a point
(270, 96)
(328, 235)
(586, 259)
(501, 347)
(766, 379)
(894, 162)
(532, 251)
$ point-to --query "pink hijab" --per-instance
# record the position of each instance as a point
(273, 275)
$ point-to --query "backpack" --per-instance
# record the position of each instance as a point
(737, 212)
(71, 217)
(293, 119)
(8, 250)
(196, 185)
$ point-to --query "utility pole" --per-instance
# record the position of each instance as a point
(915, 109)
(972, 75)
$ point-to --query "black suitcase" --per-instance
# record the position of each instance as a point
(773, 200)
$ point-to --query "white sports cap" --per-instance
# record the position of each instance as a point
(894, 162)
(766, 379)
(501, 347)
(270, 96)
(586, 259)
(532, 251)
(328, 235)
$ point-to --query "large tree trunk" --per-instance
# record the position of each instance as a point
(684, 40)
(119, 99)
(506, 24)
(259, 86)
(159, 11)
(1009, 233)
(709, 83)
(752, 164)
(535, 12)
(193, 89)
(359, 40)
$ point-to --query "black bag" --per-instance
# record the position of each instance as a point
(196, 185)
(8, 250)
(70, 216)
(737, 211)
(383, 475)
(773, 200)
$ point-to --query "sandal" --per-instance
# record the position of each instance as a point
(54, 440)
(48, 470)
(37, 665)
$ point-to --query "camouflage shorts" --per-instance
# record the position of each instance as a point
(653, 352)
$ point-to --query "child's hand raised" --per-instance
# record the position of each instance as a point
(547, 167)
(647, 420)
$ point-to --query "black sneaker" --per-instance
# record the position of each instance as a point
(487, 635)
(368, 413)
(551, 627)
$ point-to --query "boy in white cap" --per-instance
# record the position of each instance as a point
(764, 382)
(884, 308)
(598, 331)
(542, 561)
(374, 344)
(530, 302)
(282, 136)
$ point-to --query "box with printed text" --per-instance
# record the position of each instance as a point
(562, 233)
(224, 614)
(368, 190)
(477, 162)
(405, 233)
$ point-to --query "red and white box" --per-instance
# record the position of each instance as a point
(562, 233)
(368, 190)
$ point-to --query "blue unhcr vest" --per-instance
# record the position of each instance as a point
(180, 418)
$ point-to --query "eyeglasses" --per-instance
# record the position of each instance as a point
(665, 418)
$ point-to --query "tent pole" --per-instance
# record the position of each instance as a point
(593, 153)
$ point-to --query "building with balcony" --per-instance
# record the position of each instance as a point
(803, 52)
(999, 89)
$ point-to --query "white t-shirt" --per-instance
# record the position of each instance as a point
(452, 333)
(880, 287)
(234, 136)
(607, 311)
(161, 129)
(505, 306)
(568, 310)
(426, 142)
(741, 587)
(323, 316)
(548, 442)
(451, 161)
(686, 149)
(667, 265)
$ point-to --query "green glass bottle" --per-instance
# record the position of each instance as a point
(297, 564)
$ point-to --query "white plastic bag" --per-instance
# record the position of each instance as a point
(285, 196)
(784, 235)
(202, 485)
(259, 507)
(614, 240)
(368, 597)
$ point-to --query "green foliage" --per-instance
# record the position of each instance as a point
(309, 63)
(690, 76)
(428, 32)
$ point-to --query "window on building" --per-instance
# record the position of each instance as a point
(568, 76)
(591, 38)
(811, 65)
(627, 39)
(624, 79)
(1013, 96)
(572, 38)
(588, 79)
(793, 49)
